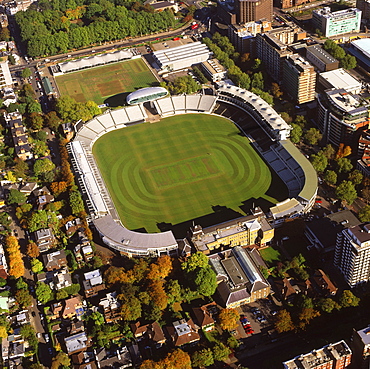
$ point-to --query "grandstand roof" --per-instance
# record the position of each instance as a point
(310, 186)
(95, 60)
(286, 208)
(133, 240)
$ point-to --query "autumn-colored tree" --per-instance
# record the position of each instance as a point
(347, 151)
(154, 273)
(228, 319)
(60, 360)
(23, 298)
(32, 250)
(16, 265)
(340, 152)
(275, 90)
(115, 275)
(283, 321)
(177, 359)
(3, 332)
(306, 315)
(140, 269)
(165, 265)
(157, 294)
(58, 187)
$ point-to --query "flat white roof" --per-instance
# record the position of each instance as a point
(363, 45)
(340, 78)
(188, 51)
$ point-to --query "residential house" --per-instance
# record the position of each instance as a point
(93, 283)
(28, 187)
(22, 318)
(87, 252)
(150, 333)
(22, 147)
(76, 326)
(61, 279)
(67, 130)
(41, 191)
(44, 239)
(76, 343)
(55, 260)
(3, 263)
(322, 284)
(43, 200)
(4, 304)
(67, 309)
(111, 307)
(204, 316)
(183, 332)
(115, 359)
(84, 360)
(288, 288)
(72, 226)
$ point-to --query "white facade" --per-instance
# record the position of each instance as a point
(340, 78)
(352, 254)
(5, 76)
(181, 57)
(337, 23)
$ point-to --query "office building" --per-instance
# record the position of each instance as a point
(214, 70)
(321, 59)
(360, 49)
(332, 356)
(253, 10)
(352, 254)
(299, 79)
(336, 23)
(272, 48)
(363, 152)
(342, 116)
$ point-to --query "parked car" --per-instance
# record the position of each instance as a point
(244, 320)
(47, 338)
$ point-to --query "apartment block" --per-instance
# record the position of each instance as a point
(273, 48)
(342, 116)
(321, 59)
(253, 10)
(352, 254)
(333, 356)
(361, 348)
(299, 79)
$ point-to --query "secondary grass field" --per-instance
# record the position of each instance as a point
(179, 169)
(100, 83)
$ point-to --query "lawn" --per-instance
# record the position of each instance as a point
(178, 169)
(102, 84)
(270, 255)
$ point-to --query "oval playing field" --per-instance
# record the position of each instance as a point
(178, 169)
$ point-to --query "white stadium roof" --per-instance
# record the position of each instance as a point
(95, 60)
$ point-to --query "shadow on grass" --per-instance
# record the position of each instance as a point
(117, 100)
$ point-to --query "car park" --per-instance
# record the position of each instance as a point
(244, 320)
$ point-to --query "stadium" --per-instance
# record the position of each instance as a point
(146, 94)
(267, 132)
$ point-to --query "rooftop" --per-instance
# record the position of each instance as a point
(340, 78)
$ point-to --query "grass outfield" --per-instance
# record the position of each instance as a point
(100, 83)
(179, 169)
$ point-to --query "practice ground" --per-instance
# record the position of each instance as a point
(179, 169)
(101, 83)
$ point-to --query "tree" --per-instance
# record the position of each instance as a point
(327, 305)
(173, 290)
(178, 359)
(347, 151)
(300, 120)
(364, 214)
(344, 165)
(283, 321)
(43, 292)
(5, 219)
(40, 148)
(35, 121)
(275, 90)
(76, 202)
(319, 162)
(58, 187)
(202, 358)
(16, 197)
(296, 133)
(348, 299)
(36, 266)
(205, 281)
(330, 177)
(60, 360)
(43, 166)
(29, 335)
(346, 191)
(312, 136)
(131, 308)
(328, 151)
(194, 261)
(20, 168)
(26, 73)
(258, 81)
(52, 121)
(366, 193)
(228, 319)
(15, 261)
(23, 298)
(3, 332)
(220, 352)
(355, 177)
(157, 294)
